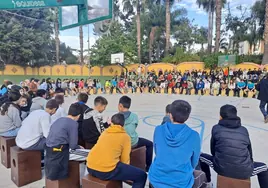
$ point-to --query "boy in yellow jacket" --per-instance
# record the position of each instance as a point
(109, 158)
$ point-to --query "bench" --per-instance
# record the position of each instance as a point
(6, 144)
(73, 181)
(225, 182)
(92, 182)
(25, 166)
(138, 158)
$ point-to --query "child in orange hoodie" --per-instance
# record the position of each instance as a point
(109, 158)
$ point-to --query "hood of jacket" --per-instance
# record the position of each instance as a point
(176, 139)
(115, 129)
(231, 122)
(126, 114)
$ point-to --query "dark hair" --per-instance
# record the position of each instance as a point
(125, 101)
(40, 92)
(25, 88)
(59, 99)
(12, 96)
(228, 111)
(75, 110)
(59, 90)
(51, 104)
(100, 100)
(118, 119)
(180, 111)
(168, 108)
(82, 97)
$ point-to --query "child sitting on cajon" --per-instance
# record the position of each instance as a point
(112, 162)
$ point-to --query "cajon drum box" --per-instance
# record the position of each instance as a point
(250, 94)
(138, 158)
(73, 181)
(146, 90)
(91, 92)
(199, 92)
(241, 93)
(138, 90)
(207, 92)
(192, 92)
(6, 144)
(169, 91)
(99, 91)
(129, 90)
(225, 182)
(25, 166)
(184, 91)
(223, 92)
(92, 182)
(231, 93)
(162, 91)
(215, 92)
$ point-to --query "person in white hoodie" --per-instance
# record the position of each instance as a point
(39, 102)
(60, 111)
(35, 128)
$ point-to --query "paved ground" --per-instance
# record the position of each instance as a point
(205, 114)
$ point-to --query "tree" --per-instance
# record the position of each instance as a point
(201, 35)
(219, 5)
(168, 4)
(265, 56)
(81, 39)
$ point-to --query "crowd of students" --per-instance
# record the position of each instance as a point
(40, 124)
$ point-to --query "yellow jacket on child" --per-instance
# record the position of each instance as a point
(114, 145)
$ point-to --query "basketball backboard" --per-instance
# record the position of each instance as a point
(92, 11)
(117, 58)
(226, 60)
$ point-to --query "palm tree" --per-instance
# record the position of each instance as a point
(265, 55)
(219, 5)
(209, 7)
(168, 22)
(81, 38)
(57, 39)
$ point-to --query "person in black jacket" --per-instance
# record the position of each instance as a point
(231, 150)
(93, 124)
(262, 87)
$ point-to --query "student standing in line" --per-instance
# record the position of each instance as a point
(232, 151)
(35, 128)
(112, 162)
(93, 124)
(131, 123)
(177, 150)
(62, 137)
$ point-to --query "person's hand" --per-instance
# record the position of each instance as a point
(109, 121)
(81, 147)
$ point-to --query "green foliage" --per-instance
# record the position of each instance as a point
(250, 58)
(211, 60)
(181, 56)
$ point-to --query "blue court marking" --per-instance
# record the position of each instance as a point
(202, 124)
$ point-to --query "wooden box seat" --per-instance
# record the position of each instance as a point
(25, 166)
(6, 144)
(73, 181)
(225, 182)
(92, 182)
(138, 158)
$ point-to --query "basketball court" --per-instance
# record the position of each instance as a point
(205, 113)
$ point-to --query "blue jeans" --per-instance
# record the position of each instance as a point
(123, 172)
(262, 108)
(10, 133)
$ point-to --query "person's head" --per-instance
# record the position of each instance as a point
(59, 91)
(23, 100)
(59, 99)
(14, 96)
(74, 111)
(100, 104)
(228, 111)
(168, 109)
(118, 119)
(82, 97)
(41, 93)
(52, 106)
(180, 111)
(124, 104)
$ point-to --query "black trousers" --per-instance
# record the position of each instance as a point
(260, 169)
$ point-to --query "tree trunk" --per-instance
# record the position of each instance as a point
(218, 24)
(57, 39)
(209, 28)
(158, 51)
(202, 47)
(265, 55)
(151, 42)
(81, 37)
(167, 27)
(212, 27)
(138, 20)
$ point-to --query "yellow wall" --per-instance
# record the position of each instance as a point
(111, 70)
(14, 70)
(45, 71)
(58, 70)
(73, 70)
(190, 66)
(95, 71)
(161, 66)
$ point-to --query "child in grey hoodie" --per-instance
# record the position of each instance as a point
(39, 102)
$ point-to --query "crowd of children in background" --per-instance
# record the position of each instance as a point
(203, 82)
(42, 125)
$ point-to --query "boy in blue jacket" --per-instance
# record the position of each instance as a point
(131, 123)
(177, 149)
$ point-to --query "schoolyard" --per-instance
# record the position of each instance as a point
(205, 113)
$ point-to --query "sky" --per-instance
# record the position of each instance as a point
(196, 14)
